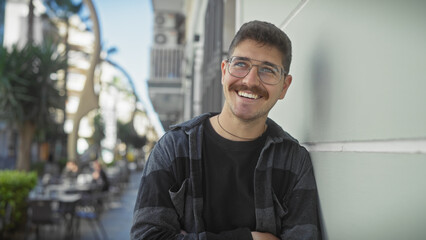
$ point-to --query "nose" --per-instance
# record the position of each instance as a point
(252, 78)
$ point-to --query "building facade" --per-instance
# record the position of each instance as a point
(165, 83)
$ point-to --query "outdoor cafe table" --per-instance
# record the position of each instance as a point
(70, 188)
(63, 203)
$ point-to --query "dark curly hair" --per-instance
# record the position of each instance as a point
(267, 34)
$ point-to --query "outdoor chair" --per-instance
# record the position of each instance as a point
(42, 212)
(68, 212)
(90, 208)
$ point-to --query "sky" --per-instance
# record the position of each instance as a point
(128, 25)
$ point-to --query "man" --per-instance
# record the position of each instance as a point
(236, 174)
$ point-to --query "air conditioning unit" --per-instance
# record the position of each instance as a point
(165, 20)
(166, 38)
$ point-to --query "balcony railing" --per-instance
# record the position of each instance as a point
(166, 63)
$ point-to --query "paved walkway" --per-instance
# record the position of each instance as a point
(117, 220)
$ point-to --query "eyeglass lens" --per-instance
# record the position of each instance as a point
(240, 67)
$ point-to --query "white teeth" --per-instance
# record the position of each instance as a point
(248, 95)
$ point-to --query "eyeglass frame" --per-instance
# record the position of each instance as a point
(281, 69)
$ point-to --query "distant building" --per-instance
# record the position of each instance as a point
(165, 84)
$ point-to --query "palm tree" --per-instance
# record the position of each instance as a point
(64, 10)
(29, 96)
(30, 30)
(127, 134)
(113, 50)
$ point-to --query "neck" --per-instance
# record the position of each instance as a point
(238, 131)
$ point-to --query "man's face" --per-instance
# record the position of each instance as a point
(248, 98)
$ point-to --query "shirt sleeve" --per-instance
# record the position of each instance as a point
(302, 219)
(154, 216)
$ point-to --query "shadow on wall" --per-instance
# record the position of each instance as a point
(321, 89)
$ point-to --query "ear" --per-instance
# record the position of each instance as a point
(223, 68)
(287, 82)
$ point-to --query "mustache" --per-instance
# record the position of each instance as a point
(255, 89)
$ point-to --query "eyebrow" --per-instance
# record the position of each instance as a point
(263, 62)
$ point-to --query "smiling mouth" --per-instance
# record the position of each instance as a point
(248, 95)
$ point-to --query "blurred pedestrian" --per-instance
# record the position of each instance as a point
(70, 171)
(51, 171)
(99, 176)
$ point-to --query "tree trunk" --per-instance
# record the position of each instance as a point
(26, 135)
(30, 33)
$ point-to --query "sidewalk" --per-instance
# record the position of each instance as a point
(117, 219)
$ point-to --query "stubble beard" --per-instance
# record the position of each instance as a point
(259, 113)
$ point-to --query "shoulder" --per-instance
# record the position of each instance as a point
(193, 123)
(277, 133)
(180, 132)
(285, 145)
(175, 142)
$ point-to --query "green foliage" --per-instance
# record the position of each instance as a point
(64, 9)
(15, 82)
(99, 128)
(38, 167)
(127, 134)
(62, 162)
(14, 189)
(28, 88)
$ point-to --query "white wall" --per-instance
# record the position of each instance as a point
(16, 24)
(358, 75)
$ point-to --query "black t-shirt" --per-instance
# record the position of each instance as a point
(228, 181)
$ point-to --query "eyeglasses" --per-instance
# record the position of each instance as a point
(268, 73)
